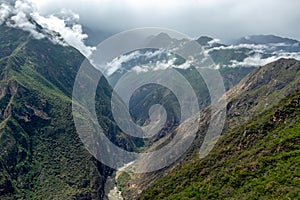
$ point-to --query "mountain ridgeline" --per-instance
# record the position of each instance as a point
(258, 160)
(41, 155)
(224, 57)
(255, 158)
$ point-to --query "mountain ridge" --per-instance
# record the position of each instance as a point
(258, 160)
(264, 39)
(41, 155)
(242, 106)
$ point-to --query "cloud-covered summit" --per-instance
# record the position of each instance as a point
(60, 28)
(64, 20)
(242, 54)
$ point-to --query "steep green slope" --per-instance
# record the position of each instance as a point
(41, 155)
(259, 91)
(259, 160)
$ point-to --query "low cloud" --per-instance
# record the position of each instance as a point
(20, 21)
(22, 14)
(258, 54)
(73, 35)
(214, 41)
(159, 65)
(254, 47)
(116, 63)
(147, 56)
(257, 60)
(153, 61)
(5, 10)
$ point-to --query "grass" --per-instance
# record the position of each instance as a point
(256, 161)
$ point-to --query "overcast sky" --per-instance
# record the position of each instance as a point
(224, 19)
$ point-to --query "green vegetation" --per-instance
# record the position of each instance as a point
(225, 56)
(122, 180)
(259, 160)
(151, 94)
(41, 155)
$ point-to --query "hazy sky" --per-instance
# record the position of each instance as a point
(224, 19)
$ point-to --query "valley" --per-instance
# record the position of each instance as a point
(47, 153)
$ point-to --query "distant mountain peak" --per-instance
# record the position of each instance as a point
(163, 35)
(209, 42)
(204, 40)
(264, 39)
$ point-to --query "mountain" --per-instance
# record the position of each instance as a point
(264, 39)
(149, 61)
(204, 40)
(250, 51)
(41, 155)
(261, 128)
(234, 62)
(209, 42)
(271, 42)
(256, 161)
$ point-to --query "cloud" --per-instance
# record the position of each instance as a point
(73, 35)
(159, 65)
(147, 56)
(5, 10)
(151, 61)
(116, 63)
(226, 19)
(254, 47)
(20, 20)
(22, 13)
(257, 60)
(258, 54)
(214, 41)
(223, 19)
